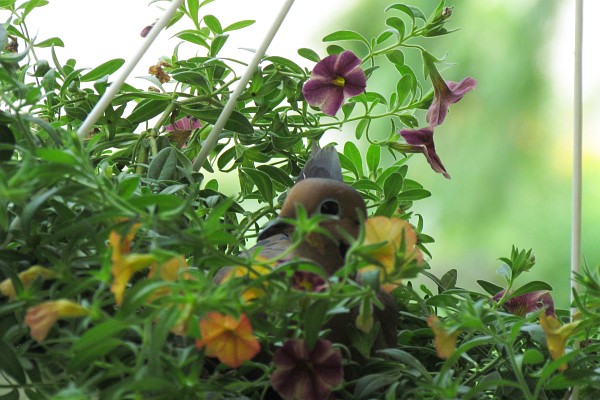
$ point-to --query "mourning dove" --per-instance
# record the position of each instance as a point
(320, 190)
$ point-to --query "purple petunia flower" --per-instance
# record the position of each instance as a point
(445, 92)
(421, 141)
(306, 374)
(528, 302)
(182, 129)
(335, 78)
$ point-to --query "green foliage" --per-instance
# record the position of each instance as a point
(63, 201)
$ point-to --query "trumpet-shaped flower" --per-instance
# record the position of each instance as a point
(42, 317)
(399, 247)
(230, 340)
(444, 340)
(557, 335)
(308, 282)
(27, 277)
(421, 141)
(335, 78)
(125, 265)
(528, 302)
(446, 93)
(303, 374)
(251, 273)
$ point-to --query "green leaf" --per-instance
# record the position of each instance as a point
(345, 35)
(309, 54)
(393, 185)
(411, 11)
(373, 157)
(106, 68)
(353, 154)
(366, 184)
(239, 25)
(530, 287)
(213, 24)
(334, 49)
(489, 287)
(217, 44)
(7, 4)
(193, 37)
(164, 165)
(277, 174)
(147, 109)
(533, 356)
(385, 35)
(414, 194)
(289, 64)
(12, 395)
(9, 363)
(449, 279)
(396, 57)
(397, 24)
(55, 41)
(262, 181)
(237, 122)
(313, 321)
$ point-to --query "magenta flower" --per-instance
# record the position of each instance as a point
(528, 302)
(334, 79)
(445, 92)
(308, 282)
(306, 374)
(421, 141)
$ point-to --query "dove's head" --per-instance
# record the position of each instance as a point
(341, 205)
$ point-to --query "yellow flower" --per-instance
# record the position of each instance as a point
(27, 277)
(445, 341)
(125, 265)
(230, 340)
(398, 235)
(252, 273)
(42, 317)
(557, 335)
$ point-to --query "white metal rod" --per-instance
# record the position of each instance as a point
(212, 138)
(114, 87)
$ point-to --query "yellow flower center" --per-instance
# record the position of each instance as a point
(339, 81)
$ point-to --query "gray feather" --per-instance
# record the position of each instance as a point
(323, 163)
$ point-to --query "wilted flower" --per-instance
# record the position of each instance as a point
(308, 282)
(125, 265)
(445, 340)
(528, 302)
(27, 277)
(445, 92)
(421, 141)
(399, 249)
(557, 335)
(159, 73)
(182, 129)
(42, 317)
(230, 340)
(303, 374)
(335, 78)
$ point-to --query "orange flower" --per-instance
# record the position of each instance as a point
(27, 277)
(230, 340)
(445, 341)
(400, 241)
(125, 265)
(43, 316)
(557, 335)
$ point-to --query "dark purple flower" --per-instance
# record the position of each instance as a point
(308, 282)
(445, 92)
(146, 30)
(335, 78)
(421, 141)
(528, 302)
(306, 374)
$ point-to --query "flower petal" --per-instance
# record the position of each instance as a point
(422, 139)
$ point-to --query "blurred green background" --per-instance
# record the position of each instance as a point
(507, 145)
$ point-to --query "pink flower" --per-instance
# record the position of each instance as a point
(445, 92)
(334, 79)
(421, 141)
(306, 374)
(182, 129)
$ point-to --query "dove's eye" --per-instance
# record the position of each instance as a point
(330, 207)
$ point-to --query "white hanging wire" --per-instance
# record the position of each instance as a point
(577, 160)
(114, 87)
(213, 136)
